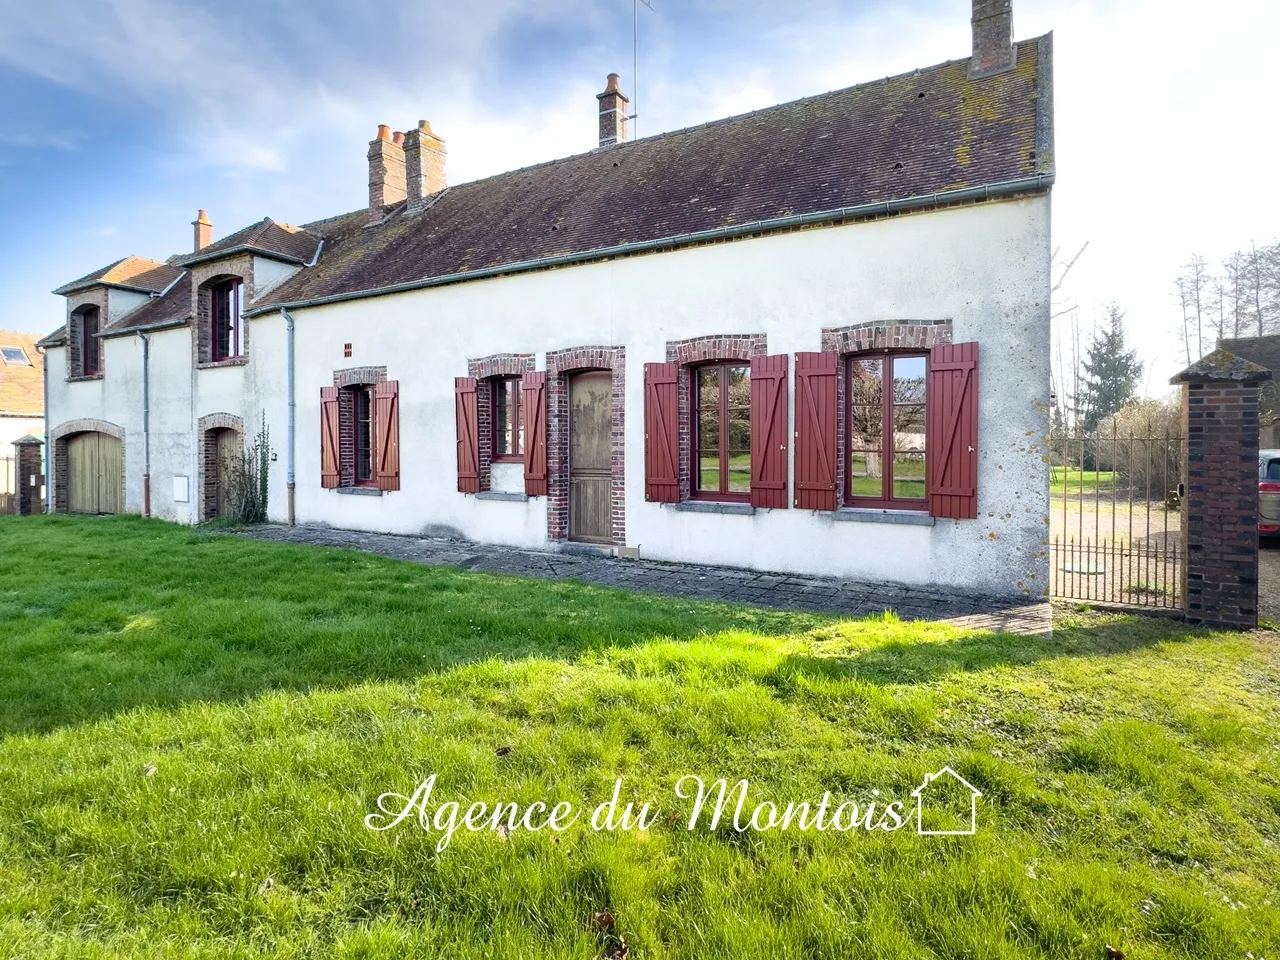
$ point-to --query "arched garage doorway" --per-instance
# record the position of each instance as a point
(88, 467)
(94, 470)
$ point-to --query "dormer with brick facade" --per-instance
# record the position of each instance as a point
(228, 274)
(107, 296)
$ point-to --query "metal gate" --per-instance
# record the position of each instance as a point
(1115, 518)
(8, 485)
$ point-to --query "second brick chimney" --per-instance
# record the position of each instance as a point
(613, 113)
(386, 171)
(424, 156)
(993, 49)
(203, 230)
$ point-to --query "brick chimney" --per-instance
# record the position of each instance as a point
(993, 49)
(386, 171)
(424, 155)
(613, 113)
(203, 230)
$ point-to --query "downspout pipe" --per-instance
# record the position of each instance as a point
(146, 423)
(288, 326)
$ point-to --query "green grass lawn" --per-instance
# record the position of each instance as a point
(194, 727)
(1073, 482)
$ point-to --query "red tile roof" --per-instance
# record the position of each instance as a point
(132, 273)
(21, 384)
(265, 237)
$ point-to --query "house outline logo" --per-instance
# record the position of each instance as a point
(974, 794)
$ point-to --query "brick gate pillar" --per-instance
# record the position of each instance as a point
(30, 475)
(1220, 509)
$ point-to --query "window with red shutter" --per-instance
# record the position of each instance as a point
(953, 431)
(662, 432)
(769, 430)
(329, 475)
(387, 422)
(534, 412)
(464, 391)
(815, 446)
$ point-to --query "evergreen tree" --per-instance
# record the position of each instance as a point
(1111, 372)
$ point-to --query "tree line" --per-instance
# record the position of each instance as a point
(1242, 299)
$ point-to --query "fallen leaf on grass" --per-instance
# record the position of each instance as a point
(502, 751)
(150, 770)
(1114, 953)
(602, 920)
(266, 885)
(618, 952)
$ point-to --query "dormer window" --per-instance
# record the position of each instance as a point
(87, 339)
(228, 339)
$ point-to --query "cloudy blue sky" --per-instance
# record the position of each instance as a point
(118, 118)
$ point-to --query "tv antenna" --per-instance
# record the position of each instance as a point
(635, 65)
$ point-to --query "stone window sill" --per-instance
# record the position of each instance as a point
(359, 491)
(85, 378)
(713, 506)
(233, 362)
(500, 495)
(865, 515)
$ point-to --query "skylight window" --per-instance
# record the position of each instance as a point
(15, 356)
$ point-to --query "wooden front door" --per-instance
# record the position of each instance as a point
(590, 457)
(228, 461)
(94, 482)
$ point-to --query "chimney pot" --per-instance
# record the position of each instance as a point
(424, 161)
(384, 132)
(993, 49)
(203, 229)
(398, 138)
(613, 113)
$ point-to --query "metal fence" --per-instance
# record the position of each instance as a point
(8, 485)
(1115, 519)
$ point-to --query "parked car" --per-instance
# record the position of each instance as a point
(1269, 493)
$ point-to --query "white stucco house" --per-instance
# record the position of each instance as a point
(811, 338)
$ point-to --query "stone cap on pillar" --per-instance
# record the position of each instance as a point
(1222, 366)
(28, 441)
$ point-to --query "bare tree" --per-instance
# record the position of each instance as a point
(1234, 280)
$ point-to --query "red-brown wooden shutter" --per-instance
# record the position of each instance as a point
(952, 431)
(533, 410)
(386, 396)
(329, 437)
(816, 431)
(464, 392)
(662, 432)
(769, 430)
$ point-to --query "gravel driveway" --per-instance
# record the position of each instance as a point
(1269, 582)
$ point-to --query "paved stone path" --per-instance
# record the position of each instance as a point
(726, 584)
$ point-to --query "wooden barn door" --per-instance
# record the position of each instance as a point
(590, 457)
(228, 458)
(94, 474)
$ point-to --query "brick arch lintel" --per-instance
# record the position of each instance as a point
(220, 421)
(886, 335)
(86, 425)
(501, 365)
(359, 376)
